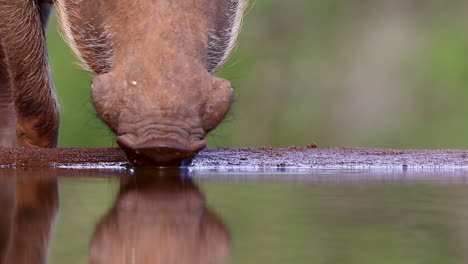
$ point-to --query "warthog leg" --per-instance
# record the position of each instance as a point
(23, 42)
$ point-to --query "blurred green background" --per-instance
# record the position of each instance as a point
(380, 73)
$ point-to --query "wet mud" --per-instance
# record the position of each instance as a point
(215, 158)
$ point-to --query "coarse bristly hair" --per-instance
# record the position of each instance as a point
(64, 14)
(221, 42)
(95, 40)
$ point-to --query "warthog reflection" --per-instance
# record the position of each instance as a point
(158, 217)
(28, 209)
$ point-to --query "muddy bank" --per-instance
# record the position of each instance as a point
(296, 157)
(332, 158)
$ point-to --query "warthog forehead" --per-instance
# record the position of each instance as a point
(92, 45)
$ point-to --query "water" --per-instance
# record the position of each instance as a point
(180, 216)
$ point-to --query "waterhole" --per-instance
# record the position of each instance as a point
(234, 216)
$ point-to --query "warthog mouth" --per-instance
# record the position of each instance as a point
(160, 152)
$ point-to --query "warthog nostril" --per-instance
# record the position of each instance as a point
(157, 152)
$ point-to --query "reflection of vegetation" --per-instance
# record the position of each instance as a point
(371, 73)
(82, 204)
(274, 223)
(299, 223)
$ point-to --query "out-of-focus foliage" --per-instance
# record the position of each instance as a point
(382, 73)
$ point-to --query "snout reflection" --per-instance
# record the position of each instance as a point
(160, 217)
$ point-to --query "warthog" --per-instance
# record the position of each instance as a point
(153, 61)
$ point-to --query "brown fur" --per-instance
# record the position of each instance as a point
(27, 69)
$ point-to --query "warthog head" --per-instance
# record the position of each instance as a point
(154, 61)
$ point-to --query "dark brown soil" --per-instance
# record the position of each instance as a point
(38, 157)
(292, 157)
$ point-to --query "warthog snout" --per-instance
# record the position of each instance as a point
(161, 121)
(160, 151)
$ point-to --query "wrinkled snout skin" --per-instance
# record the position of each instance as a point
(154, 87)
(161, 125)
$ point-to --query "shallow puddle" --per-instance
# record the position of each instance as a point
(281, 216)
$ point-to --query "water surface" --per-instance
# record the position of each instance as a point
(181, 216)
